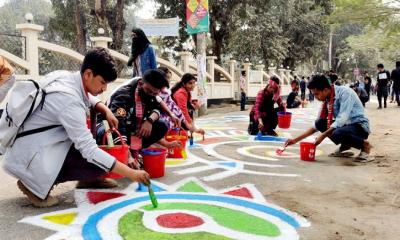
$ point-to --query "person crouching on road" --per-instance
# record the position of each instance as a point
(137, 107)
(293, 100)
(263, 115)
(67, 150)
(342, 119)
(181, 95)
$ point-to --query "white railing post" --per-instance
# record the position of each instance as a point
(261, 69)
(31, 33)
(272, 71)
(232, 64)
(282, 75)
(289, 77)
(246, 67)
(211, 68)
(185, 61)
(101, 41)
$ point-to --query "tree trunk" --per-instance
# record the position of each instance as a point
(118, 25)
(80, 23)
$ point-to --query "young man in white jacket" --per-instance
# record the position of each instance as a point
(67, 152)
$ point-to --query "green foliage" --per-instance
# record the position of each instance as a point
(272, 31)
(372, 35)
(13, 12)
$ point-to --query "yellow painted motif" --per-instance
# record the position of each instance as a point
(63, 219)
(172, 162)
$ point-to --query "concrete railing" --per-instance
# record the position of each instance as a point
(215, 90)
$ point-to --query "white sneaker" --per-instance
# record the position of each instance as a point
(364, 157)
(339, 153)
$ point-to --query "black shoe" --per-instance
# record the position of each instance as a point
(379, 108)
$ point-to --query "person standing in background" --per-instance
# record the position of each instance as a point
(143, 56)
(367, 84)
(396, 82)
(303, 86)
(382, 85)
(242, 86)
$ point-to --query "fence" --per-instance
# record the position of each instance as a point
(34, 58)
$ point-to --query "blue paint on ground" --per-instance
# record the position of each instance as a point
(228, 164)
(143, 188)
(90, 231)
(270, 138)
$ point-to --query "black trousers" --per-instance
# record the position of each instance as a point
(382, 92)
(270, 122)
(396, 93)
(352, 135)
(77, 168)
(242, 101)
(158, 131)
(303, 95)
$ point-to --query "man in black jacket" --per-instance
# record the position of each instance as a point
(137, 108)
(382, 85)
(396, 82)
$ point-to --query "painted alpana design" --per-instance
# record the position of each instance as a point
(186, 210)
(248, 154)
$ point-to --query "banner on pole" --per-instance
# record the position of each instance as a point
(197, 17)
(159, 27)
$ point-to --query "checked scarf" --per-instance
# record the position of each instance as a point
(327, 108)
(138, 105)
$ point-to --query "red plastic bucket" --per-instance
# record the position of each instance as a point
(120, 152)
(177, 152)
(307, 151)
(176, 131)
(154, 161)
(284, 119)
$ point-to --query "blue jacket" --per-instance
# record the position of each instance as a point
(348, 109)
(147, 61)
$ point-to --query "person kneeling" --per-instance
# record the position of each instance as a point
(263, 115)
(342, 119)
(137, 109)
(293, 100)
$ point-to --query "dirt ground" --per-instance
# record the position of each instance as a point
(342, 200)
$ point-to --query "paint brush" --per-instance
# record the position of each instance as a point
(280, 151)
(152, 196)
(191, 139)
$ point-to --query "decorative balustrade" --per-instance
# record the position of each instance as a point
(37, 54)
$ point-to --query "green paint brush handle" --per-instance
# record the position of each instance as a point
(152, 197)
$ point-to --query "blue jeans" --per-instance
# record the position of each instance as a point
(242, 101)
(352, 135)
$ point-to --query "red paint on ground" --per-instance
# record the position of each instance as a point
(179, 220)
(211, 140)
(240, 192)
(96, 197)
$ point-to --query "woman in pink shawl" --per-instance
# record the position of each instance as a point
(264, 115)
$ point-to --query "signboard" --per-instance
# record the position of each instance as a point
(159, 27)
(197, 17)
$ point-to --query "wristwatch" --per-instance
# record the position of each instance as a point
(149, 119)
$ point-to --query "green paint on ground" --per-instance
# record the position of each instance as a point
(191, 187)
(229, 218)
(130, 227)
(241, 137)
